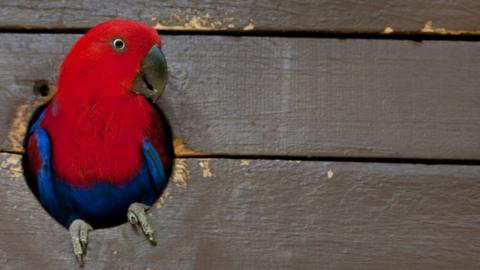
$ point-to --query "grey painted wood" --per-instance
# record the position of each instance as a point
(410, 16)
(287, 96)
(259, 214)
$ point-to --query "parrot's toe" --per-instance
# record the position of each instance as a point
(137, 216)
(79, 233)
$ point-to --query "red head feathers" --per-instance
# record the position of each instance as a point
(109, 55)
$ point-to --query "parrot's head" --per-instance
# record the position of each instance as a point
(117, 58)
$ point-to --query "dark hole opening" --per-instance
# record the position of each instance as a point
(114, 220)
(41, 88)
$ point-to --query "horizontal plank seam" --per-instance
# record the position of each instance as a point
(415, 36)
(387, 160)
(325, 159)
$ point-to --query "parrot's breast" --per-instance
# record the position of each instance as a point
(98, 142)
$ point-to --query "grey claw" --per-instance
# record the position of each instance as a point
(137, 216)
(151, 239)
(132, 218)
(79, 258)
(85, 228)
(79, 233)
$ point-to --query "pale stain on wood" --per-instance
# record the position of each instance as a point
(163, 199)
(245, 162)
(182, 150)
(329, 174)
(429, 29)
(181, 173)
(205, 165)
(388, 30)
(188, 19)
(20, 120)
(13, 164)
(18, 127)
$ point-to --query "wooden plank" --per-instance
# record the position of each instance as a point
(287, 96)
(260, 214)
(385, 16)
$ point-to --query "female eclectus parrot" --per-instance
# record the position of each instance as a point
(100, 153)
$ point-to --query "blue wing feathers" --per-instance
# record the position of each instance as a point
(155, 166)
(36, 124)
(46, 190)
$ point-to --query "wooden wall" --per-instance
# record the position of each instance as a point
(309, 134)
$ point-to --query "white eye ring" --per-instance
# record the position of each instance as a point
(118, 44)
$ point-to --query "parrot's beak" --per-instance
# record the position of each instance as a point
(152, 77)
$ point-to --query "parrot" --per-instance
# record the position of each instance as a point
(100, 152)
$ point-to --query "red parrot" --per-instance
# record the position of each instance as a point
(100, 152)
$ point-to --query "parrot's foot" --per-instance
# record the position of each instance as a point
(79, 233)
(137, 216)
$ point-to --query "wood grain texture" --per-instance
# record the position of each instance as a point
(259, 214)
(287, 96)
(410, 16)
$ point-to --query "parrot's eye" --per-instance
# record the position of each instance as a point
(118, 44)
